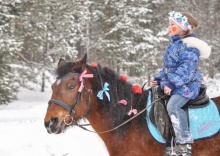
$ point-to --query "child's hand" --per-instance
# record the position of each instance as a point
(154, 83)
(167, 90)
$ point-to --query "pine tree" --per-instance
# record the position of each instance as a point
(48, 31)
(128, 36)
(9, 47)
(123, 35)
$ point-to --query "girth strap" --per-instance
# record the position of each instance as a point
(60, 104)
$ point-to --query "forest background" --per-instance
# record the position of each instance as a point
(128, 36)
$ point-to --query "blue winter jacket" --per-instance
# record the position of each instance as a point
(180, 69)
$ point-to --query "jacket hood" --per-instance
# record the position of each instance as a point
(203, 47)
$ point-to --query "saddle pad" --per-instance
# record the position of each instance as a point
(204, 122)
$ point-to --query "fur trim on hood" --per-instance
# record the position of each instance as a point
(203, 47)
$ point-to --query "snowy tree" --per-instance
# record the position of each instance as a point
(128, 36)
(122, 35)
(9, 48)
(210, 32)
(48, 31)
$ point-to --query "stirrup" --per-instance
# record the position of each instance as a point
(170, 151)
(183, 149)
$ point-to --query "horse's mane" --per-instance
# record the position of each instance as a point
(118, 90)
(64, 69)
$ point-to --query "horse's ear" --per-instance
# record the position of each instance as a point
(61, 62)
(84, 59)
(82, 62)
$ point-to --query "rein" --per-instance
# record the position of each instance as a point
(81, 126)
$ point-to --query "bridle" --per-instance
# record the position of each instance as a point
(71, 109)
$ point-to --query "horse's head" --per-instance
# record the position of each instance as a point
(70, 95)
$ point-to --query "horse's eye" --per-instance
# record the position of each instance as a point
(72, 86)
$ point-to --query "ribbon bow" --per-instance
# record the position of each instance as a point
(105, 90)
(124, 102)
(134, 111)
(83, 75)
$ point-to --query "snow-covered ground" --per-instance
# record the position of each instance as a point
(22, 131)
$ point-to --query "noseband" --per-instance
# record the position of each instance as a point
(71, 109)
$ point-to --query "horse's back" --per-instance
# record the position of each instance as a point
(209, 146)
(217, 101)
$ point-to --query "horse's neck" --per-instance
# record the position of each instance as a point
(99, 121)
(136, 136)
(135, 141)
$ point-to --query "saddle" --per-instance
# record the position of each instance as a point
(159, 115)
(201, 101)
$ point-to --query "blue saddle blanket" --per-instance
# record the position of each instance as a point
(204, 122)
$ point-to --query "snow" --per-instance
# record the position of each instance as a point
(213, 85)
(22, 131)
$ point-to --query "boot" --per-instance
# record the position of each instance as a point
(178, 150)
(170, 151)
(183, 149)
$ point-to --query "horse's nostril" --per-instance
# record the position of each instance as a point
(51, 122)
(54, 121)
(46, 123)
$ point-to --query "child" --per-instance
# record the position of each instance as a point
(180, 77)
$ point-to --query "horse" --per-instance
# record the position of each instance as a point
(108, 100)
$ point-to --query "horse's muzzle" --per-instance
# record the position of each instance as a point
(53, 126)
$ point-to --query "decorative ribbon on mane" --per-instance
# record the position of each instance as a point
(83, 75)
(134, 111)
(124, 102)
(105, 90)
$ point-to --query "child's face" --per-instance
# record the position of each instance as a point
(174, 29)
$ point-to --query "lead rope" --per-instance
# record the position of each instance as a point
(81, 126)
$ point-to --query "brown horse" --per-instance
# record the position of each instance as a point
(75, 97)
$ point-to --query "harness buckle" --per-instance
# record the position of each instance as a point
(66, 123)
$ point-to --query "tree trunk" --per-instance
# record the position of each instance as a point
(43, 82)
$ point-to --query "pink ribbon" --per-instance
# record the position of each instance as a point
(124, 102)
(134, 111)
(83, 75)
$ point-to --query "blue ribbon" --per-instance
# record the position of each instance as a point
(105, 90)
